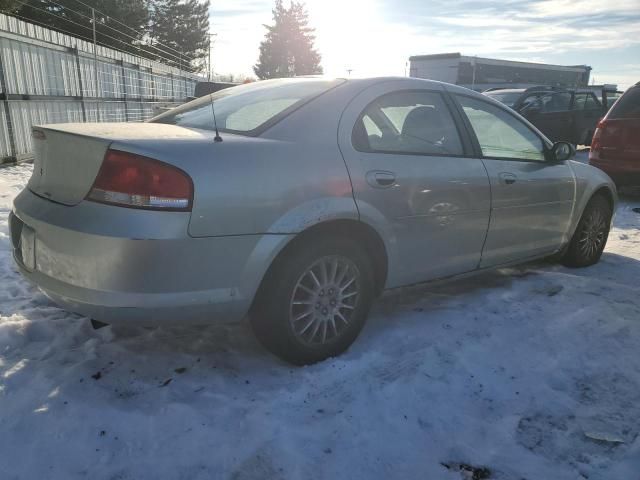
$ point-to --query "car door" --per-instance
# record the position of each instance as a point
(552, 115)
(589, 117)
(532, 198)
(414, 180)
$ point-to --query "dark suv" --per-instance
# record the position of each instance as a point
(616, 142)
(568, 115)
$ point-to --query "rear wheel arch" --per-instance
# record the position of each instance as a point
(590, 235)
(355, 230)
(586, 198)
(603, 191)
(606, 193)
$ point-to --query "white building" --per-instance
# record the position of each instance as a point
(480, 73)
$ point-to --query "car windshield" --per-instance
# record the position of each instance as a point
(247, 108)
(508, 98)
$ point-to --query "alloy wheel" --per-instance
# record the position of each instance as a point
(324, 300)
(593, 234)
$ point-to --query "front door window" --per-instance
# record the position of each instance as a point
(500, 134)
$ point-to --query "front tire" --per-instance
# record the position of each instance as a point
(590, 237)
(314, 300)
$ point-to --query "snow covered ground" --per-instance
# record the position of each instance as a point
(533, 373)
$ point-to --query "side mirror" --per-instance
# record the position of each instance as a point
(562, 151)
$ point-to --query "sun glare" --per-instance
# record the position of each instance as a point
(353, 37)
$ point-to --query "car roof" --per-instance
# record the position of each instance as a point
(363, 82)
(507, 90)
(410, 81)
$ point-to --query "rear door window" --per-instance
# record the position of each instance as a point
(556, 102)
(578, 101)
(532, 101)
(410, 122)
(611, 98)
(591, 103)
(508, 98)
(628, 106)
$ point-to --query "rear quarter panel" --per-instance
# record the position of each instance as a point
(289, 178)
(269, 186)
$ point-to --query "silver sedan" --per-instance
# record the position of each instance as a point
(297, 202)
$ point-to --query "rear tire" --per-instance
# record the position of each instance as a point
(590, 237)
(314, 300)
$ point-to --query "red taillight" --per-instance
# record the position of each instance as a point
(132, 180)
(595, 141)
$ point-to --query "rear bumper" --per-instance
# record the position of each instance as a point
(622, 177)
(141, 308)
(623, 171)
(625, 179)
(121, 265)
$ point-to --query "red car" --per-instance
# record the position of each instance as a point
(616, 142)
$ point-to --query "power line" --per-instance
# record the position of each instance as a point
(181, 56)
(29, 20)
(123, 24)
(25, 3)
(168, 60)
(86, 39)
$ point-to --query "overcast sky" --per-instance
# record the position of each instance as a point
(376, 37)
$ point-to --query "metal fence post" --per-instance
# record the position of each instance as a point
(180, 69)
(95, 63)
(4, 96)
(124, 89)
(84, 111)
(95, 48)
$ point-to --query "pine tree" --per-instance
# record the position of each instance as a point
(182, 25)
(174, 32)
(9, 6)
(74, 18)
(288, 48)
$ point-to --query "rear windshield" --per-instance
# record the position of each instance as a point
(246, 109)
(628, 106)
(508, 98)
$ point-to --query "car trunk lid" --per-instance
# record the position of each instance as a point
(65, 164)
(68, 156)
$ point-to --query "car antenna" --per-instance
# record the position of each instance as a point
(217, 138)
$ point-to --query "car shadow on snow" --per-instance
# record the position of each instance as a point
(235, 346)
(234, 343)
(201, 353)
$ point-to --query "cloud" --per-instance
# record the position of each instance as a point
(239, 29)
(530, 26)
(239, 8)
(378, 36)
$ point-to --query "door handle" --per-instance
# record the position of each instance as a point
(381, 179)
(508, 178)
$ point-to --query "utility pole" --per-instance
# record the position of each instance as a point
(473, 80)
(184, 77)
(209, 65)
(95, 49)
